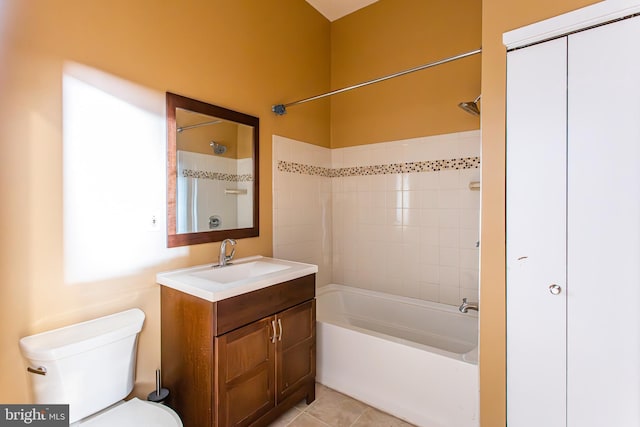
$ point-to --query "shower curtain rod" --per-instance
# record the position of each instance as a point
(213, 122)
(280, 109)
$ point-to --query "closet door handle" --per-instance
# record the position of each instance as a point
(280, 327)
(555, 289)
(274, 336)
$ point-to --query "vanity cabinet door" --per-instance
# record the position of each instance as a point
(245, 377)
(295, 348)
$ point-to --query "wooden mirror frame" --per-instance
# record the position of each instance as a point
(175, 239)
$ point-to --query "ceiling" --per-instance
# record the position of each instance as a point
(336, 9)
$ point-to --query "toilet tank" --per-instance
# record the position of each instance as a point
(89, 365)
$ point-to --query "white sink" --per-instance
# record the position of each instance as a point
(243, 275)
(235, 272)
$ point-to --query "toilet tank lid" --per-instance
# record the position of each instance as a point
(80, 337)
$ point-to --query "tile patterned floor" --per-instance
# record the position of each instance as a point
(333, 409)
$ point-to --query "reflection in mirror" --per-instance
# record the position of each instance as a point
(212, 172)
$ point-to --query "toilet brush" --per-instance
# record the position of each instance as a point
(160, 394)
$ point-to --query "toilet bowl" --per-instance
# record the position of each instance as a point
(132, 413)
(91, 367)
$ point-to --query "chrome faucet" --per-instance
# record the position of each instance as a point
(465, 306)
(223, 259)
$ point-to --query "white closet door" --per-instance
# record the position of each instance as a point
(536, 235)
(603, 377)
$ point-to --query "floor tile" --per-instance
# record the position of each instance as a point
(305, 420)
(334, 409)
(287, 418)
(374, 418)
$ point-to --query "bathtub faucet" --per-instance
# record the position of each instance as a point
(224, 258)
(466, 306)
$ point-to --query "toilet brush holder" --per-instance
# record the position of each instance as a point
(159, 394)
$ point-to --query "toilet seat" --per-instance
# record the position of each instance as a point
(134, 413)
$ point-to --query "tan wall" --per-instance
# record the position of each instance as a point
(498, 16)
(390, 36)
(243, 54)
(245, 142)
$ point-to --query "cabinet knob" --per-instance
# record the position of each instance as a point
(555, 289)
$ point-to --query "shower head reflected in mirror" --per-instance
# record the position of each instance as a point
(218, 148)
(471, 107)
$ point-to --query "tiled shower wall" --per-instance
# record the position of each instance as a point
(401, 215)
(302, 225)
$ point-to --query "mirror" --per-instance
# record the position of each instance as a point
(212, 173)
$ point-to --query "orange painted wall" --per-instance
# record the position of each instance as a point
(243, 54)
(498, 16)
(391, 36)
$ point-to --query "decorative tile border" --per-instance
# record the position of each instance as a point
(189, 173)
(408, 167)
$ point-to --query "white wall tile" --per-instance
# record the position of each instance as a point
(430, 291)
(449, 179)
(429, 180)
(411, 181)
(449, 257)
(378, 200)
(378, 155)
(430, 236)
(411, 217)
(430, 273)
(448, 199)
(449, 218)
(469, 199)
(393, 182)
(471, 295)
(470, 218)
(449, 276)
(337, 158)
(428, 199)
(469, 278)
(395, 152)
(411, 234)
(468, 238)
(349, 184)
(467, 176)
(354, 156)
(430, 217)
(395, 216)
(469, 259)
(449, 237)
(423, 225)
(378, 183)
(430, 254)
(469, 144)
(450, 295)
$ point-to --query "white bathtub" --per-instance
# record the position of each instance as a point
(414, 359)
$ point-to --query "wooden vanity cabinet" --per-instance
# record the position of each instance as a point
(242, 361)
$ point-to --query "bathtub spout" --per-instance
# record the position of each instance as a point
(466, 306)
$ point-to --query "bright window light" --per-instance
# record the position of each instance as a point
(114, 144)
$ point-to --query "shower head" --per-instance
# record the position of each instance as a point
(218, 148)
(471, 107)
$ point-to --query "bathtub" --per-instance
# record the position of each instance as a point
(414, 359)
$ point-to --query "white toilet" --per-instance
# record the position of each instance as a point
(91, 366)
